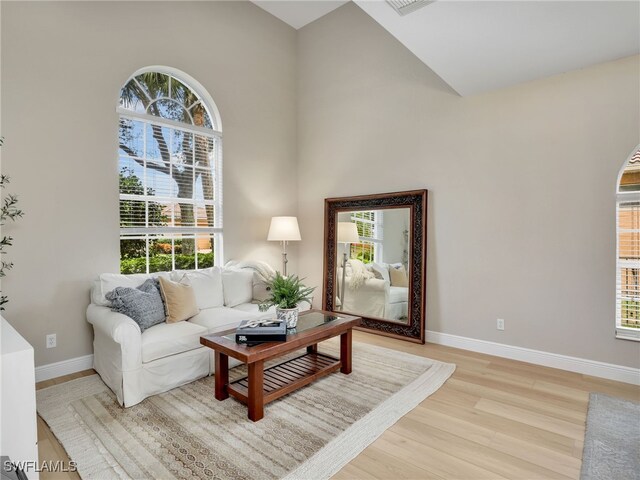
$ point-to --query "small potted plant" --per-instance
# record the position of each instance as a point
(286, 293)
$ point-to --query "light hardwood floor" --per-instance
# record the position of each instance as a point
(494, 418)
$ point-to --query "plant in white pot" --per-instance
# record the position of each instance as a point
(286, 293)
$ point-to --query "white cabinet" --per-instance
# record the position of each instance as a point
(18, 424)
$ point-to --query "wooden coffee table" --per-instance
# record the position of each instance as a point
(263, 386)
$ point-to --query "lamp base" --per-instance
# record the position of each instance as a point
(284, 264)
(344, 271)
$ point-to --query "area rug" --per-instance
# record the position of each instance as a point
(612, 439)
(186, 433)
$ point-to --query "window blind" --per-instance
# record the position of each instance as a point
(369, 224)
(170, 177)
(628, 251)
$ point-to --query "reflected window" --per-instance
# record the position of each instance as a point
(628, 250)
(170, 175)
(370, 230)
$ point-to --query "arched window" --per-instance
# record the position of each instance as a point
(170, 171)
(628, 257)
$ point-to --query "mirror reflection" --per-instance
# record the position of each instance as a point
(373, 263)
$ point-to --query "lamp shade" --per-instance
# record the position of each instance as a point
(348, 233)
(284, 229)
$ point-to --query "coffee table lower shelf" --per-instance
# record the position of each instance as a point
(286, 377)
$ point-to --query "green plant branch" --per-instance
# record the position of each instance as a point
(286, 292)
(8, 211)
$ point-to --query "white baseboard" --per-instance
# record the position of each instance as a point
(65, 367)
(610, 371)
(572, 364)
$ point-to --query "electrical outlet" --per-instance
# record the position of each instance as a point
(500, 324)
(51, 340)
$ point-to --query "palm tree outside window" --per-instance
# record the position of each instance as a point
(170, 174)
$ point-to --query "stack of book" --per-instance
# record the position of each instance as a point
(252, 332)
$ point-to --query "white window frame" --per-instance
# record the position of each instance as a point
(625, 333)
(174, 233)
(377, 228)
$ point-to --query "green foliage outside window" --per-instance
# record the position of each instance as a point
(133, 251)
(362, 252)
(630, 313)
(131, 184)
(162, 263)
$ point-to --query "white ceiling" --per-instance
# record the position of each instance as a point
(479, 46)
(298, 13)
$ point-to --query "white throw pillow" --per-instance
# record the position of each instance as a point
(207, 285)
(108, 281)
(237, 286)
(261, 291)
(381, 271)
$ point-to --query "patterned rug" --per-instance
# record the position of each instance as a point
(186, 433)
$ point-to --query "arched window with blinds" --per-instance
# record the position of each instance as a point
(628, 250)
(170, 174)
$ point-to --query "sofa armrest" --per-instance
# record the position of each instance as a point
(370, 285)
(377, 284)
(115, 328)
(115, 325)
(369, 299)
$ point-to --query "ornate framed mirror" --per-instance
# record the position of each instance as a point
(375, 261)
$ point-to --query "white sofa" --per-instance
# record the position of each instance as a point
(137, 365)
(374, 297)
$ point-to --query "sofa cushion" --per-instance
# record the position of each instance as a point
(398, 277)
(381, 271)
(179, 299)
(106, 282)
(253, 308)
(261, 272)
(237, 285)
(221, 318)
(170, 339)
(261, 290)
(207, 285)
(143, 304)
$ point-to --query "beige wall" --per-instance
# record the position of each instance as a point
(521, 207)
(521, 180)
(62, 67)
(395, 222)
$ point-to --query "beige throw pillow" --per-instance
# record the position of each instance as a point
(179, 300)
(398, 277)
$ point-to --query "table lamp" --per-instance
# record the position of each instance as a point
(285, 230)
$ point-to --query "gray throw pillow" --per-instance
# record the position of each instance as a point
(143, 304)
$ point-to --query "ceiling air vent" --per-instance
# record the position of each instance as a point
(404, 7)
